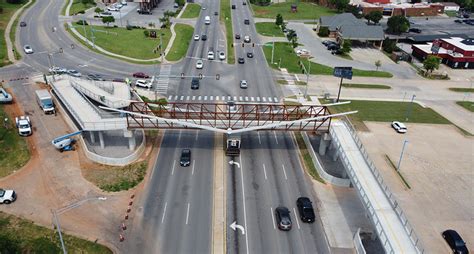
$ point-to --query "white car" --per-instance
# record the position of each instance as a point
(7, 196)
(74, 73)
(210, 55)
(247, 39)
(113, 8)
(143, 83)
(399, 127)
(119, 6)
(57, 70)
(222, 55)
(28, 49)
(5, 97)
(124, 2)
(23, 124)
(199, 64)
(300, 52)
(243, 84)
(196, 37)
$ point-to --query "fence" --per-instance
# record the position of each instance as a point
(359, 247)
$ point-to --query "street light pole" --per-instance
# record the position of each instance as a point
(307, 79)
(120, 17)
(409, 108)
(273, 47)
(401, 154)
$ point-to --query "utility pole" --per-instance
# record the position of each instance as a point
(401, 154)
(409, 108)
(273, 47)
(161, 47)
(307, 79)
(339, 92)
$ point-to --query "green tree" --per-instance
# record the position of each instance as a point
(346, 46)
(389, 45)
(374, 16)
(397, 24)
(378, 63)
(279, 20)
(340, 5)
(16, 1)
(98, 10)
(108, 19)
(180, 2)
(355, 10)
(323, 31)
(291, 33)
(431, 63)
(294, 41)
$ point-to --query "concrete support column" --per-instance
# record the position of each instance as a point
(335, 155)
(101, 139)
(323, 145)
(131, 139)
(92, 136)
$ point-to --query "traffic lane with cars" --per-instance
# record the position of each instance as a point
(176, 210)
(272, 177)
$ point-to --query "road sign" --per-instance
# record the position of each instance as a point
(343, 72)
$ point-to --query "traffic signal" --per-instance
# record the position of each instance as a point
(200, 75)
(218, 76)
(182, 75)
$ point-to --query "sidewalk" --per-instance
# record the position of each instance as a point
(8, 42)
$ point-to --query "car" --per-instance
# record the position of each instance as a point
(199, 64)
(195, 83)
(399, 127)
(233, 7)
(458, 21)
(246, 22)
(23, 124)
(22, 24)
(328, 42)
(283, 219)
(333, 46)
(300, 52)
(119, 6)
(249, 54)
(196, 37)
(244, 3)
(7, 196)
(243, 84)
(28, 49)
(143, 83)
(216, 13)
(241, 60)
(414, 30)
(204, 37)
(74, 73)
(96, 77)
(57, 70)
(466, 16)
(455, 242)
(203, 8)
(247, 39)
(113, 8)
(123, 2)
(142, 11)
(337, 52)
(237, 36)
(105, 14)
(185, 159)
(221, 55)
(140, 75)
(176, 5)
(210, 55)
(5, 97)
(305, 208)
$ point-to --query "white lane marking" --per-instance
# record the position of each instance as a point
(265, 171)
(240, 98)
(246, 98)
(259, 140)
(273, 217)
(197, 135)
(264, 99)
(182, 98)
(217, 98)
(194, 97)
(275, 134)
(284, 171)
(228, 98)
(211, 98)
(174, 164)
(275, 99)
(170, 97)
(243, 197)
(296, 218)
(164, 212)
(269, 99)
(258, 99)
(252, 99)
(235, 98)
(187, 98)
(187, 216)
(205, 98)
(199, 98)
(192, 172)
(176, 97)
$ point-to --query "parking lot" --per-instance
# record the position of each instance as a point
(437, 164)
(437, 25)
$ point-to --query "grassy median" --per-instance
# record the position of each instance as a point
(305, 10)
(226, 17)
(469, 105)
(365, 86)
(184, 34)
(289, 60)
(191, 11)
(113, 179)
(5, 15)
(307, 160)
(461, 90)
(269, 29)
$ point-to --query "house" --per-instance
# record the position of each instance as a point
(346, 26)
(450, 6)
(455, 52)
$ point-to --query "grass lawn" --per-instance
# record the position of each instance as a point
(269, 29)
(305, 10)
(451, 14)
(191, 11)
(226, 17)
(308, 161)
(368, 86)
(23, 236)
(131, 43)
(469, 105)
(110, 178)
(14, 152)
(77, 6)
(184, 33)
(289, 60)
(461, 90)
(8, 10)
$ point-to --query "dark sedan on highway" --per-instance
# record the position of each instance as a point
(283, 218)
(305, 208)
(140, 75)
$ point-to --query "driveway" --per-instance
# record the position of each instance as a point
(364, 57)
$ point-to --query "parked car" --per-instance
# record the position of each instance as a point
(140, 75)
(123, 2)
(195, 83)
(241, 60)
(105, 14)
(141, 11)
(7, 196)
(23, 124)
(333, 47)
(28, 49)
(458, 21)
(221, 55)
(5, 97)
(328, 42)
(249, 54)
(399, 127)
(204, 37)
(243, 84)
(305, 208)
(244, 3)
(113, 8)
(143, 83)
(96, 77)
(283, 219)
(300, 52)
(414, 30)
(247, 39)
(336, 52)
(185, 158)
(196, 37)
(22, 24)
(176, 5)
(233, 7)
(455, 242)
(74, 73)
(199, 64)
(237, 36)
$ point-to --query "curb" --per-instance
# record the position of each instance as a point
(8, 41)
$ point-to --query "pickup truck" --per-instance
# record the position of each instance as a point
(7, 196)
(23, 124)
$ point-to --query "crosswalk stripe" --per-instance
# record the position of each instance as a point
(264, 99)
(235, 98)
(211, 98)
(170, 97)
(199, 98)
(269, 99)
(217, 98)
(252, 99)
(176, 98)
(246, 98)
(229, 98)
(182, 97)
(194, 97)
(240, 98)
(258, 99)
(275, 99)
(187, 98)
(205, 98)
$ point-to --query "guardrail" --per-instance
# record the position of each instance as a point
(375, 172)
(99, 98)
(359, 247)
(109, 88)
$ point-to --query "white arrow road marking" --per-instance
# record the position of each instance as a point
(235, 163)
(234, 225)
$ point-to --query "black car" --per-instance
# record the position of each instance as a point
(95, 77)
(195, 83)
(305, 208)
(458, 21)
(140, 11)
(336, 52)
(233, 7)
(22, 24)
(237, 36)
(249, 54)
(204, 37)
(241, 60)
(414, 30)
(244, 3)
(455, 242)
(185, 158)
(283, 219)
(246, 21)
(216, 13)
(328, 42)
(334, 47)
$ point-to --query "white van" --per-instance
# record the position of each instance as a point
(207, 20)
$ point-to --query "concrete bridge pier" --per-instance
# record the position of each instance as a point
(101, 139)
(131, 139)
(323, 145)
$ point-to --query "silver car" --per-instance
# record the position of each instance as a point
(28, 49)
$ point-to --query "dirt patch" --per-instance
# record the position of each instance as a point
(261, 12)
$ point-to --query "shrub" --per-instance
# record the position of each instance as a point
(82, 22)
(81, 12)
(323, 31)
(129, 27)
(1, 9)
(146, 33)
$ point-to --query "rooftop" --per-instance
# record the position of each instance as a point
(464, 44)
(351, 27)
